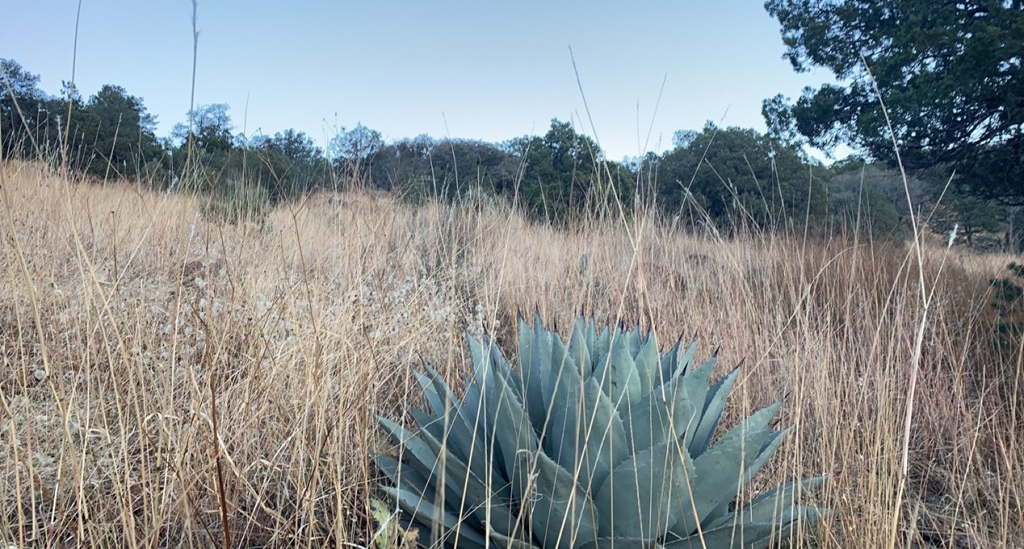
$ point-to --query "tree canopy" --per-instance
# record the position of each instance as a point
(949, 73)
(562, 176)
(724, 178)
(28, 119)
(737, 176)
(121, 132)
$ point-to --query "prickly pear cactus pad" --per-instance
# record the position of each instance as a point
(601, 441)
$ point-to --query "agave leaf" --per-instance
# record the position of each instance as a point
(445, 406)
(601, 435)
(771, 443)
(474, 417)
(681, 364)
(658, 417)
(463, 487)
(579, 354)
(693, 384)
(618, 374)
(623, 543)
(756, 423)
(742, 536)
(411, 475)
(463, 435)
(512, 542)
(429, 423)
(515, 436)
(414, 448)
(781, 500)
(646, 495)
(502, 365)
(467, 492)
(804, 514)
(428, 537)
(745, 530)
(420, 455)
(410, 480)
(471, 413)
(406, 477)
(584, 430)
(555, 368)
(590, 335)
(635, 339)
(524, 334)
(682, 394)
(561, 439)
(722, 469)
(647, 364)
(545, 346)
(436, 397)
(488, 360)
(483, 376)
(723, 384)
(428, 514)
(601, 345)
(532, 352)
(701, 375)
(482, 404)
(714, 405)
(562, 514)
(667, 364)
(686, 359)
(479, 355)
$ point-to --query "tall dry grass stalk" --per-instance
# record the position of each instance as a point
(168, 381)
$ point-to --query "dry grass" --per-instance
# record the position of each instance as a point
(171, 382)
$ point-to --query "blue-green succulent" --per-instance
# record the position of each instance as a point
(601, 441)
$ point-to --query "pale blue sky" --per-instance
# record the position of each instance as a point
(481, 70)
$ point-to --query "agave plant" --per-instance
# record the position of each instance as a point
(599, 442)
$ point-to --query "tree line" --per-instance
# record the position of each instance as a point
(934, 87)
(717, 178)
(949, 77)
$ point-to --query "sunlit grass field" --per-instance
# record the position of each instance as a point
(169, 380)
